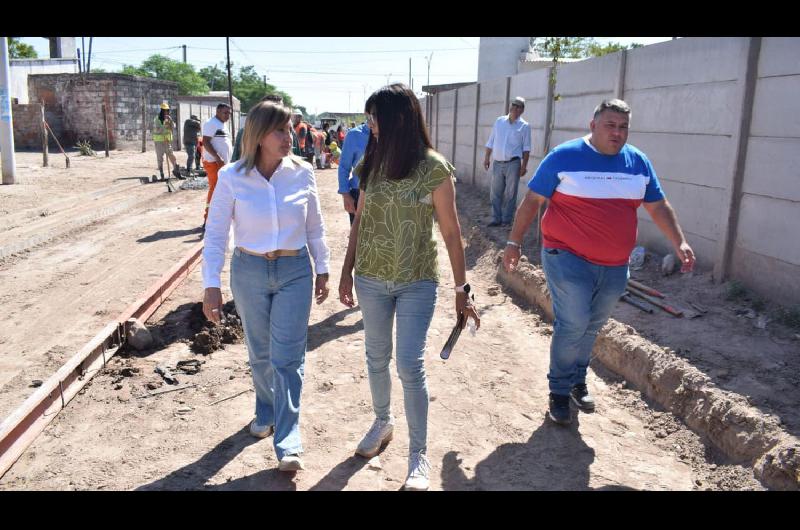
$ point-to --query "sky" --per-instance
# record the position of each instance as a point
(323, 74)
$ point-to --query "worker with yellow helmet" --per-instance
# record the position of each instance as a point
(162, 138)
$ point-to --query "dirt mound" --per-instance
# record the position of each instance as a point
(209, 337)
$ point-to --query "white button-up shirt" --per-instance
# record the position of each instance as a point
(267, 215)
(509, 139)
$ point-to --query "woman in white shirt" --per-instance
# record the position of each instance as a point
(271, 198)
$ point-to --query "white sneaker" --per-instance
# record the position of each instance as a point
(261, 431)
(419, 468)
(378, 435)
(291, 463)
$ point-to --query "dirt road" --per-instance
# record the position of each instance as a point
(487, 425)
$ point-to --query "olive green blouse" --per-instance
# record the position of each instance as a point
(395, 237)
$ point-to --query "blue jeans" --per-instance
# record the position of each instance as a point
(505, 180)
(191, 149)
(273, 297)
(414, 303)
(584, 295)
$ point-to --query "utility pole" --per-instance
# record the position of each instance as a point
(89, 59)
(409, 71)
(9, 163)
(184, 52)
(265, 83)
(428, 58)
(83, 51)
(230, 84)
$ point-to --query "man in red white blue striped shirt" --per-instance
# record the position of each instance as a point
(594, 184)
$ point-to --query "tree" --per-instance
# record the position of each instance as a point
(20, 50)
(248, 86)
(160, 67)
(576, 47)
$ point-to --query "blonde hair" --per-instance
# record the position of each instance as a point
(262, 119)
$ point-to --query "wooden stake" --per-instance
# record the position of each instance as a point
(57, 142)
(105, 126)
(44, 140)
(144, 126)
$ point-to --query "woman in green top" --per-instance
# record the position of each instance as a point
(403, 182)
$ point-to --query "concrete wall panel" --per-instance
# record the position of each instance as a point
(576, 111)
(687, 158)
(651, 237)
(710, 108)
(494, 91)
(530, 85)
(773, 168)
(779, 56)
(595, 75)
(773, 278)
(776, 109)
(699, 209)
(684, 61)
(489, 112)
(770, 227)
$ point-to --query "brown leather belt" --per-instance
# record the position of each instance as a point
(273, 254)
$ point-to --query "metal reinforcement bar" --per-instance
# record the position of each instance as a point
(19, 430)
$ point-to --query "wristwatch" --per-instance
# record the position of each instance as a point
(462, 288)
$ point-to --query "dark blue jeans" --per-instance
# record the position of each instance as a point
(584, 295)
(191, 149)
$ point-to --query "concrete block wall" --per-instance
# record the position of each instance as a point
(684, 96)
(444, 131)
(726, 153)
(73, 106)
(493, 103)
(766, 251)
(464, 154)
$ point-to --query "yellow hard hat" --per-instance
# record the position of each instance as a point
(165, 105)
(334, 145)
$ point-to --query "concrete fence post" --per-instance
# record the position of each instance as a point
(455, 125)
(732, 198)
(436, 135)
(548, 113)
(475, 137)
(619, 89)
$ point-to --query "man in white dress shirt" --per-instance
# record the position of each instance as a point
(509, 142)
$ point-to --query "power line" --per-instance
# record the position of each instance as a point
(335, 52)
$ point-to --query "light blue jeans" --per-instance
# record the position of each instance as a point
(273, 297)
(505, 181)
(584, 295)
(413, 302)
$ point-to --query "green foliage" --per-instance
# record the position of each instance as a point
(160, 67)
(789, 316)
(735, 291)
(85, 148)
(758, 304)
(576, 47)
(20, 50)
(247, 84)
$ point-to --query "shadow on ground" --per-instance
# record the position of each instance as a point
(168, 234)
(195, 476)
(554, 458)
(327, 330)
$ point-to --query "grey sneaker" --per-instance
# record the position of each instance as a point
(581, 397)
(377, 436)
(290, 462)
(419, 469)
(261, 431)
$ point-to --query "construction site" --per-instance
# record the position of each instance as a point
(697, 388)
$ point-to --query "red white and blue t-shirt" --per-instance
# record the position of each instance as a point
(593, 199)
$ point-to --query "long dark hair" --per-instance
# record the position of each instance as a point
(403, 139)
(162, 115)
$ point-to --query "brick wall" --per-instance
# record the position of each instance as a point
(74, 106)
(27, 126)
